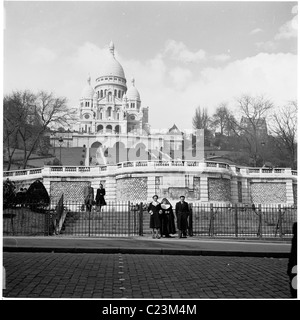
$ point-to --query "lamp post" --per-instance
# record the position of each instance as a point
(60, 141)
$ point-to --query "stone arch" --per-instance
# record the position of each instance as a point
(96, 144)
(138, 152)
(100, 128)
(119, 152)
(108, 128)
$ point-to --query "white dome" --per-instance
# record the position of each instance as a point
(111, 66)
(88, 91)
(132, 93)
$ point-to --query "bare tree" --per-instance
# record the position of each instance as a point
(201, 119)
(31, 116)
(223, 119)
(15, 107)
(285, 128)
(252, 127)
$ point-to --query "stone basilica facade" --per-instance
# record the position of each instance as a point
(111, 107)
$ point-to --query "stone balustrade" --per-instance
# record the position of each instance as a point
(152, 165)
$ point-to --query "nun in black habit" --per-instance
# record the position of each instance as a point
(167, 219)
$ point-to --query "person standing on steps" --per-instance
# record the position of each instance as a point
(155, 211)
(182, 211)
(88, 193)
(100, 200)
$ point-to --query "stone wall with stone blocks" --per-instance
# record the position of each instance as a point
(173, 186)
(295, 193)
(131, 189)
(72, 190)
(219, 189)
(268, 192)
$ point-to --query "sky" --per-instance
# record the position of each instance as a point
(182, 54)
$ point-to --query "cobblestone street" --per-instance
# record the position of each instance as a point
(67, 275)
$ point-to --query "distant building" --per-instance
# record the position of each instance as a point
(258, 126)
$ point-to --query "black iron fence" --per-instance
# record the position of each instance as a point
(129, 219)
(242, 221)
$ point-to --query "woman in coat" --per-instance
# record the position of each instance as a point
(100, 201)
(155, 211)
(167, 219)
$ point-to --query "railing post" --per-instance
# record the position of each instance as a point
(259, 231)
(211, 223)
(190, 228)
(279, 222)
(128, 218)
(236, 220)
(89, 223)
(141, 219)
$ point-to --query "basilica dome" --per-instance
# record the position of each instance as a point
(132, 93)
(111, 66)
(88, 91)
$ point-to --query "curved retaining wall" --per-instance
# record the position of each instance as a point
(140, 180)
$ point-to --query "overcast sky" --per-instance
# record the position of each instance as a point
(181, 54)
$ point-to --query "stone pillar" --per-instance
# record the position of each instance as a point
(289, 192)
(110, 189)
(234, 190)
(46, 183)
(204, 189)
(150, 187)
(87, 156)
(246, 191)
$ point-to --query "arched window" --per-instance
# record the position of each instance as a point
(119, 94)
(115, 92)
(101, 94)
(118, 129)
(109, 128)
(100, 128)
(109, 112)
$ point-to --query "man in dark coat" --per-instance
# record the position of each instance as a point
(182, 212)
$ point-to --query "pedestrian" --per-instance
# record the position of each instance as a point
(100, 200)
(167, 219)
(182, 211)
(155, 211)
(88, 193)
(292, 264)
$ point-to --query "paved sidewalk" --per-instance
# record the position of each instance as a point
(147, 245)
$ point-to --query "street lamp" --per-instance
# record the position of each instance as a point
(60, 141)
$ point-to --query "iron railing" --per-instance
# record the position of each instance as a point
(243, 221)
(129, 219)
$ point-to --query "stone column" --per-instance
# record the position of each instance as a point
(246, 198)
(234, 190)
(87, 156)
(150, 187)
(110, 189)
(204, 189)
(289, 192)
